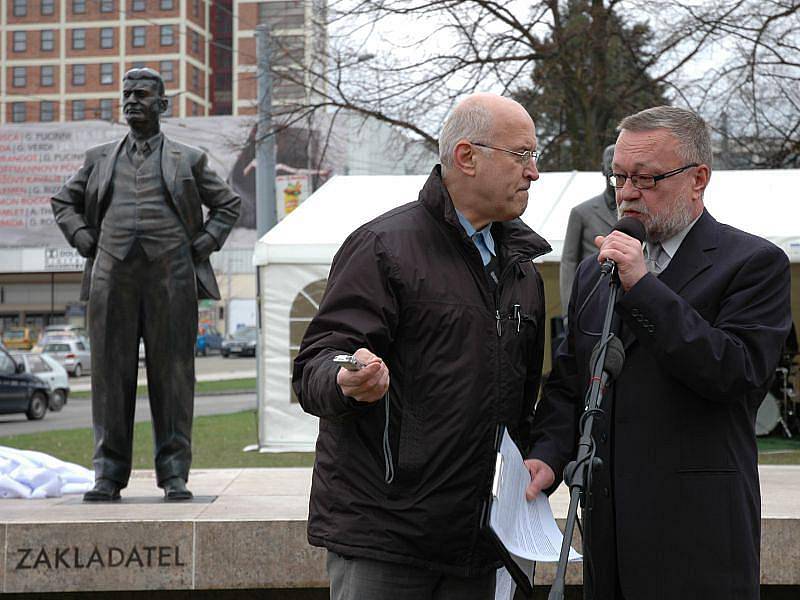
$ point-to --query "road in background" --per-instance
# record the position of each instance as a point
(78, 413)
(206, 368)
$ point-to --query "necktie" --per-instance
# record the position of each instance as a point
(656, 257)
(138, 154)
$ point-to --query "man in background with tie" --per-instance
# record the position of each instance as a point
(673, 510)
(135, 211)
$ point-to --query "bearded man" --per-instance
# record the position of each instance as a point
(704, 312)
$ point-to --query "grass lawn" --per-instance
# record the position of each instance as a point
(777, 450)
(201, 387)
(217, 443)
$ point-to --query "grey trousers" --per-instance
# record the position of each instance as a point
(365, 579)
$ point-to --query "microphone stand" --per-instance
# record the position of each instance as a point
(576, 473)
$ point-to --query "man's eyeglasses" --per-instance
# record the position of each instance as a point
(522, 157)
(642, 181)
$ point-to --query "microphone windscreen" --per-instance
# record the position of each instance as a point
(632, 227)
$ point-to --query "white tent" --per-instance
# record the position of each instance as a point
(298, 252)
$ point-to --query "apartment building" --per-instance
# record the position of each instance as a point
(299, 44)
(63, 60)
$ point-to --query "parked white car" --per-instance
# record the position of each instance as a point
(72, 353)
(51, 372)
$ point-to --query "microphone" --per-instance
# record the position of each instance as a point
(628, 226)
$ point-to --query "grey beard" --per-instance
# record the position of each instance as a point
(663, 226)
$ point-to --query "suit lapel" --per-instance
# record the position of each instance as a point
(603, 214)
(170, 156)
(106, 172)
(170, 160)
(692, 258)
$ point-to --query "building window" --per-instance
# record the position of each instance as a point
(166, 70)
(107, 37)
(139, 37)
(106, 6)
(48, 40)
(139, 5)
(138, 64)
(167, 36)
(20, 77)
(78, 7)
(106, 73)
(78, 110)
(78, 74)
(167, 4)
(47, 76)
(20, 41)
(195, 79)
(106, 109)
(47, 7)
(47, 111)
(78, 39)
(18, 112)
(21, 8)
(195, 42)
(196, 8)
(195, 109)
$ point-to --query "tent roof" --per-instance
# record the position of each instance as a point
(316, 229)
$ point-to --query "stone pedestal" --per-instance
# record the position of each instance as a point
(246, 529)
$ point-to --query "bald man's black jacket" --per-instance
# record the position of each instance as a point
(411, 287)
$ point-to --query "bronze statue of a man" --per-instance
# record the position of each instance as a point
(135, 211)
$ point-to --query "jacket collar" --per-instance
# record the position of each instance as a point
(692, 257)
(519, 242)
(170, 158)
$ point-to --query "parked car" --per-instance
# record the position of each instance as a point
(242, 342)
(19, 338)
(65, 330)
(21, 392)
(208, 339)
(72, 353)
(48, 369)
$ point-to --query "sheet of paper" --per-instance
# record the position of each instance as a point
(505, 586)
(527, 529)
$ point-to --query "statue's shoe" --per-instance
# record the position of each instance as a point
(175, 490)
(104, 490)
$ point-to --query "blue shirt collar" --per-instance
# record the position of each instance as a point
(482, 239)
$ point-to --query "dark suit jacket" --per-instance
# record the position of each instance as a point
(679, 493)
(586, 220)
(190, 185)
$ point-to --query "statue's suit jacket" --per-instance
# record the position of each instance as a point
(676, 506)
(189, 183)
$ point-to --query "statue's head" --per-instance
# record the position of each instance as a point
(143, 97)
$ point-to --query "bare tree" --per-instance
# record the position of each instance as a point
(753, 97)
(578, 64)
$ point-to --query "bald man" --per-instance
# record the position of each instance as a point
(440, 301)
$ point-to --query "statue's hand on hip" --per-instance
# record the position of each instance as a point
(85, 242)
(202, 246)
